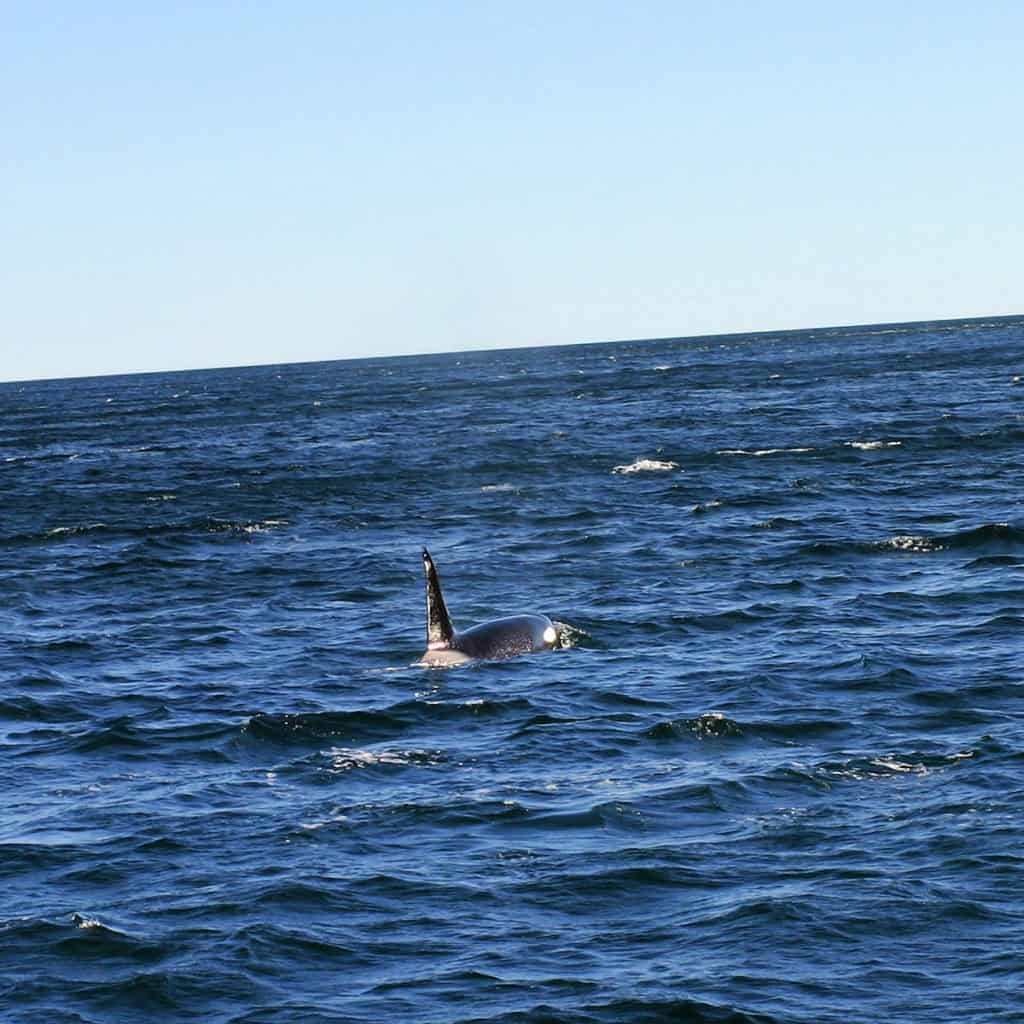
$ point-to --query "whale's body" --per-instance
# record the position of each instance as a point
(497, 638)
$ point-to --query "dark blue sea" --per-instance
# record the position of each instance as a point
(776, 773)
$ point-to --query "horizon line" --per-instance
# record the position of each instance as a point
(525, 348)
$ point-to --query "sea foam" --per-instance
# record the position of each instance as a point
(646, 466)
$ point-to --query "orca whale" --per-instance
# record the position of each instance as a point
(496, 638)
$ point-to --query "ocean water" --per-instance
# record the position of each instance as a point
(775, 775)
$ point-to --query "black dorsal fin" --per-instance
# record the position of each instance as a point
(439, 625)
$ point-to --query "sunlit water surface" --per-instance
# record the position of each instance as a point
(777, 776)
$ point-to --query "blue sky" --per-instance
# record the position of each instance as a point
(226, 184)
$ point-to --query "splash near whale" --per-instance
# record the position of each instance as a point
(496, 638)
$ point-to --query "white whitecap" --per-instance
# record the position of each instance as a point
(646, 466)
(763, 451)
(344, 759)
(263, 526)
(910, 542)
(868, 446)
(333, 819)
(60, 531)
(891, 764)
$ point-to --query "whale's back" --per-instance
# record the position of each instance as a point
(507, 637)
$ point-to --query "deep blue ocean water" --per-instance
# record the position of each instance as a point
(777, 776)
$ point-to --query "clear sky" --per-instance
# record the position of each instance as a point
(211, 184)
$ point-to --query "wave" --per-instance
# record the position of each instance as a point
(870, 446)
(826, 774)
(608, 814)
(646, 466)
(23, 708)
(635, 1010)
(994, 561)
(907, 542)
(1009, 622)
(345, 759)
(759, 452)
(715, 725)
(132, 738)
(569, 635)
(706, 506)
(712, 725)
(778, 523)
(888, 765)
(990, 535)
(198, 525)
(989, 538)
(81, 936)
(722, 621)
(363, 726)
